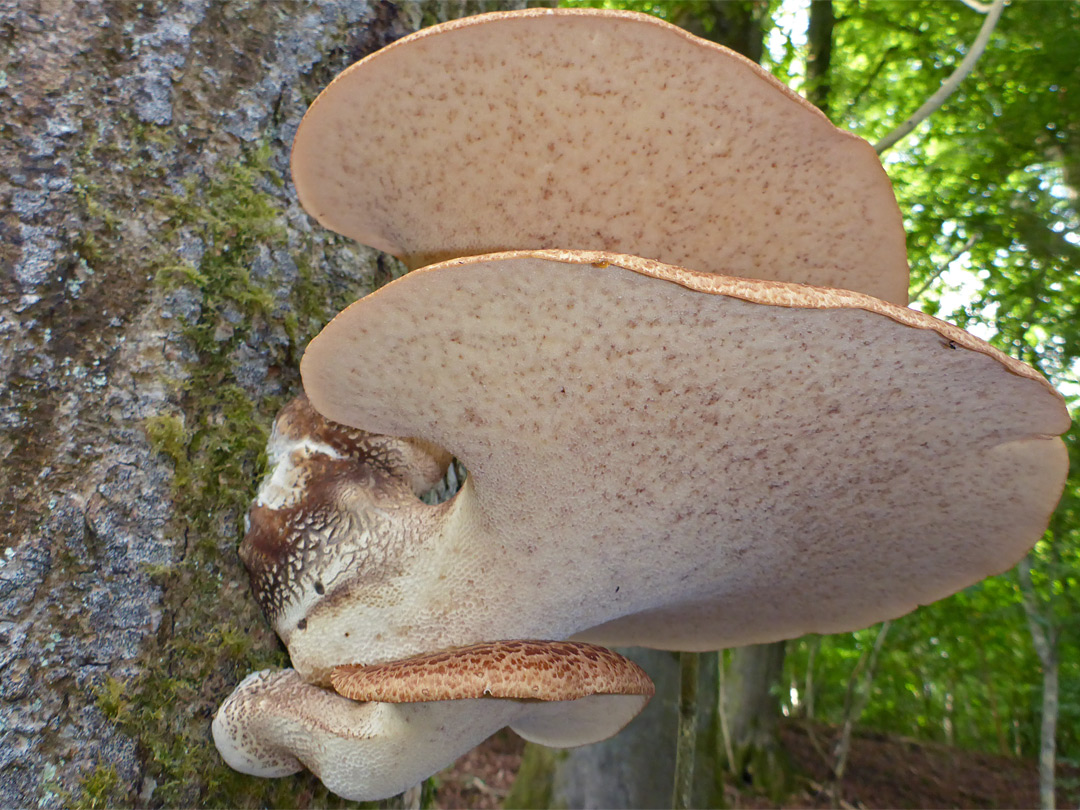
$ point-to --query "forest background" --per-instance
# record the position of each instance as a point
(160, 283)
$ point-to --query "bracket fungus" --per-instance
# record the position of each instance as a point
(402, 721)
(595, 130)
(720, 461)
(686, 448)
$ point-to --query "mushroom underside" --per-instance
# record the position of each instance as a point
(613, 131)
(721, 461)
(685, 461)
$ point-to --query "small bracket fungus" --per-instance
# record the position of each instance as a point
(420, 715)
(599, 130)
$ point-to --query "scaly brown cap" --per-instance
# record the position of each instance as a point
(523, 670)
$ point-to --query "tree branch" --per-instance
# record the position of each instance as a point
(975, 5)
(858, 695)
(956, 254)
(937, 99)
(872, 76)
(686, 745)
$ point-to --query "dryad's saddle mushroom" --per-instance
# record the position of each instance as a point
(662, 456)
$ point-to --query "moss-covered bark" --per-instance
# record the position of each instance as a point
(161, 283)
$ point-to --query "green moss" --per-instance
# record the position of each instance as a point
(233, 216)
(212, 632)
(101, 789)
(90, 196)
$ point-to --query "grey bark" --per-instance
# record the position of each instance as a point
(113, 111)
(752, 706)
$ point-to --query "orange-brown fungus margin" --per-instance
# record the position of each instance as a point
(519, 670)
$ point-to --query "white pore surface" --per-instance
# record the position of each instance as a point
(595, 130)
(685, 470)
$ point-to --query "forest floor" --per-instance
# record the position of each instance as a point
(883, 771)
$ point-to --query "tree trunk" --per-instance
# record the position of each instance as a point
(819, 38)
(682, 796)
(735, 24)
(752, 706)
(635, 768)
(1046, 646)
(160, 282)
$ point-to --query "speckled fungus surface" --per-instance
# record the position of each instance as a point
(677, 458)
(725, 461)
(599, 130)
(522, 670)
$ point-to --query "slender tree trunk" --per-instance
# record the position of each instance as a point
(810, 687)
(858, 695)
(686, 736)
(1044, 636)
(819, 39)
